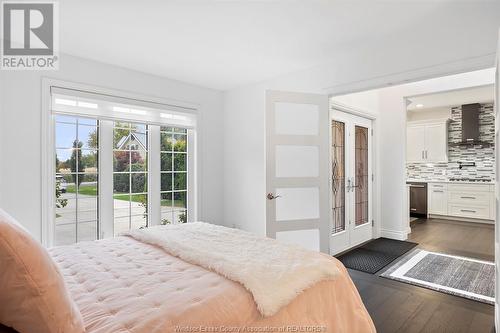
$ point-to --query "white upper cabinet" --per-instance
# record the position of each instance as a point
(436, 143)
(427, 142)
(415, 143)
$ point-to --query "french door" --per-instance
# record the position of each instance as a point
(351, 180)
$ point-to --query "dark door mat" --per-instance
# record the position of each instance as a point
(375, 255)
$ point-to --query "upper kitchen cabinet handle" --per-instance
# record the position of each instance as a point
(422, 154)
(426, 154)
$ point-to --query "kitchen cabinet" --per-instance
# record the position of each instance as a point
(415, 145)
(427, 142)
(438, 199)
(463, 200)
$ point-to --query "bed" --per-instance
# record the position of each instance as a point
(127, 285)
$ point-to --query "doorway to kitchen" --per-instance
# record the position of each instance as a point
(351, 180)
(436, 163)
(450, 171)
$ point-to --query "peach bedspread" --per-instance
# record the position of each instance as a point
(123, 285)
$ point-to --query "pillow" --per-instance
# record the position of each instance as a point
(33, 295)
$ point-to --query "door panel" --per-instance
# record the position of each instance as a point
(301, 203)
(297, 209)
(307, 238)
(296, 118)
(297, 161)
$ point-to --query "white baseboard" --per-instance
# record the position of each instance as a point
(394, 234)
(461, 219)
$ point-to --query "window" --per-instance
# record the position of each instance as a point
(173, 167)
(130, 176)
(118, 166)
(76, 179)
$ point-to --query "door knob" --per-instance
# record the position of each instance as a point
(271, 196)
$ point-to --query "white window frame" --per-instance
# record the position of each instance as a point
(105, 165)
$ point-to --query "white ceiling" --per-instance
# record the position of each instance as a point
(452, 98)
(225, 44)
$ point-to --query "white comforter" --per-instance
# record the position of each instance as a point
(274, 272)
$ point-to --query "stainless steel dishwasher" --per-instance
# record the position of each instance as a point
(418, 199)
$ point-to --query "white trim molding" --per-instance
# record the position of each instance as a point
(394, 234)
(334, 105)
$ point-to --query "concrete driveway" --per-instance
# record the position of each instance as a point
(126, 215)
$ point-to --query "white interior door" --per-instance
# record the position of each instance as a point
(351, 181)
(297, 169)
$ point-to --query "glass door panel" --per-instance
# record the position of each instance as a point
(76, 179)
(361, 175)
(338, 176)
(130, 176)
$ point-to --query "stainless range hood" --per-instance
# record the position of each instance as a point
(470, 126)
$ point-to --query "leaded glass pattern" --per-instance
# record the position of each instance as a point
(338, 176)
(361, 175)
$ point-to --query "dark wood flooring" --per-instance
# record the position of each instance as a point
(399, 307)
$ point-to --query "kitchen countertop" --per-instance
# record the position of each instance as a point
(449, 181)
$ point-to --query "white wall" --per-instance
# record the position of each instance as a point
(367, 102)
(429, 114)
(20, 126)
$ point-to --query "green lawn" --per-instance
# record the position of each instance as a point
(84, 189)
(168, 203)
(92, 191)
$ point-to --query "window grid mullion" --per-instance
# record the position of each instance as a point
(173, 184)
(77, 190)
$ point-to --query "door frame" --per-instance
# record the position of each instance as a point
(374, 198)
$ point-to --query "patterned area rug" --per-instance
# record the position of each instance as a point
(460, 276)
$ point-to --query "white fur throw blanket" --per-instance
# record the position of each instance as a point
(274, 272)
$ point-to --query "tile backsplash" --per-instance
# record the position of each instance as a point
(484, 157)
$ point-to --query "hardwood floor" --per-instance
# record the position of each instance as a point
(400, 307)
(475, 240)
